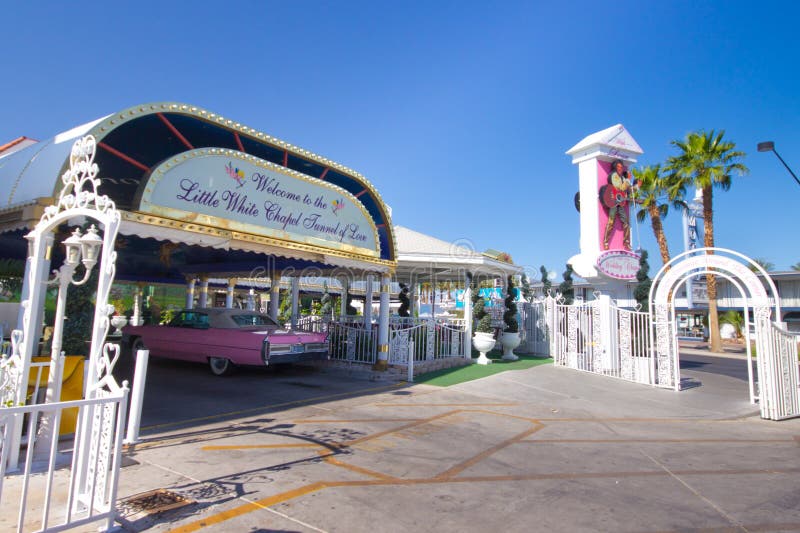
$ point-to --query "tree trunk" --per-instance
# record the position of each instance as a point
(658, 230)
(708, 240)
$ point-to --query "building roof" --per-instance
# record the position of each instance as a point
(17, 144)
(614, 137)
(423, 256)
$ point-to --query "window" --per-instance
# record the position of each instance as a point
(244, 321)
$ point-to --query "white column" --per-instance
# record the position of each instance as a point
(343, 303)
(468, 315)
(251, 300)
(229, 293)
(275, 297)
(383, 325)
(136, 319)
(368, 301)
(38, 300)
(190, 285)
(414, 297)
(295, 300)
(607, 336)
(203, 298)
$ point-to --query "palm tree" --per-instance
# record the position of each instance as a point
(769, 266)
(654, 194)
(707, 161)
(795, 267)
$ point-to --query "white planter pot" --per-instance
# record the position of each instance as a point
(483, 342)
(118, 321)
(510, 341)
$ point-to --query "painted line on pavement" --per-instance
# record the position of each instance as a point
(315, 487)
(670, 441)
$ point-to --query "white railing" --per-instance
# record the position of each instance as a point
(600, 338)
(91, 494)
(431, 339)
(427, 341)
(312, 324)
(352, 343)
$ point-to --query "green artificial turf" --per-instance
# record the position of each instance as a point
(453, 376)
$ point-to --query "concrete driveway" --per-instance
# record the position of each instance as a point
(544, 449)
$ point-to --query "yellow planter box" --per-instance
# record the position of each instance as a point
(71, 387)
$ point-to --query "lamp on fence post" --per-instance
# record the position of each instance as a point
(77, 249)
(769, 146)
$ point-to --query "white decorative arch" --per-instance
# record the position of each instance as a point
(777, 349)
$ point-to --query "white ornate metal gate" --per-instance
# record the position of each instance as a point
(534, 328)
(601, 338)
(96, 448)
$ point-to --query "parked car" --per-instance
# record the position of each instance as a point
(226, 338)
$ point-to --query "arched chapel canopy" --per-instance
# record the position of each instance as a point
(182, 175)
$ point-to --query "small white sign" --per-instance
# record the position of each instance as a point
(618, 264)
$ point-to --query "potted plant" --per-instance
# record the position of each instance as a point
(483, 339)
(118, 320)
(510, 338)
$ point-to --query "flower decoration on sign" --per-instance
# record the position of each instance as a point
(337, 206)
(236, 173)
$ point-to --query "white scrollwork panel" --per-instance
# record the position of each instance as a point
(626, 361)
(665, 359)
(597, 339)
(431, 338)
(398, 347)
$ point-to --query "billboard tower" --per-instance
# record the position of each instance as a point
(606, 188)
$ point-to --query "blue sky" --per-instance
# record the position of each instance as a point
(459, 112)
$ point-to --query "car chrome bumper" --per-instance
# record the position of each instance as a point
(296, 357)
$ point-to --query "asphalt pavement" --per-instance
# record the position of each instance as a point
(542, 449)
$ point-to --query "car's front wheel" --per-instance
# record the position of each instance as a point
(220, 366)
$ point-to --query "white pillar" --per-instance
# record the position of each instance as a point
(368, 301)
(383, 325)
(607, 336)
(229, 293)
(295, 300)
(251, 300)
(203, 299)
(136, 318)
(275, 297)
(190, 286)
(414, 297)
(343, 303)
(468, 315)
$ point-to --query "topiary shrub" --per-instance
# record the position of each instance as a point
(485, 324)
(404, 301)
(546, 283)
(565, 288)
(642, 291)
(510, 316)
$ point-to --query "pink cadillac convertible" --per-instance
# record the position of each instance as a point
(226, 338)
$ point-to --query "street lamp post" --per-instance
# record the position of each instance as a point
(769, 146)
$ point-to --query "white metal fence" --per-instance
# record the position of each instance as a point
(431, 339)
(91, 494)
(427, 340)
(601, 338)
(352, 343)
